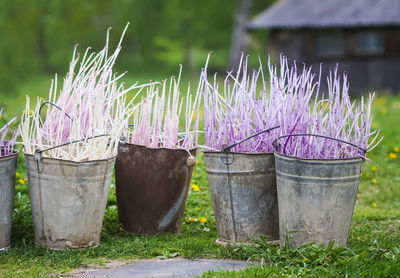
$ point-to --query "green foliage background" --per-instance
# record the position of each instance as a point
(38, 35)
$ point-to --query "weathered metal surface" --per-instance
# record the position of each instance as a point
(243, 193)
(8, 167)
(152, 187)
(68, 201)
(316, 198)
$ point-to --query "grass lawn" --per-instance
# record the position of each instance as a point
(373, 250)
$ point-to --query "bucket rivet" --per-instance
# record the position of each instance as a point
(191, 161)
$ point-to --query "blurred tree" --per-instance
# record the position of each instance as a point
(239, 34)
(38, 35)
(20, 54)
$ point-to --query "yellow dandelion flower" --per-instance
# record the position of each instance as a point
(25, 179)
(195, 187)
(373, 168)
(17, 175)
(381, 101)
(392, 155)
(191, 219)
(121, 229)
(396, 149)
(21, 181)
(373, 180)
(374, 205)
(203, 219)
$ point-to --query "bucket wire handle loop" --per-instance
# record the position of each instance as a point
(122, 144)
(227, 158)
(318, 135)
(191, 160)
(56, 106)
(38, 152)
(38, 158)
(226, 148)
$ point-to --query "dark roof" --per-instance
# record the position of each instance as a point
(328, 13)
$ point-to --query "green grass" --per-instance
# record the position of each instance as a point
(373, 250)
(39, 86)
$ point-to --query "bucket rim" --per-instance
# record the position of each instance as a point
(9, 156)
(242, 153)
(276, 153)
(71, 161)
(167, 149)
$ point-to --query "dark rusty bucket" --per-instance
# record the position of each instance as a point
(152, 186)
(316, 198)
(8, 167)
(243, 193)
(68, 200)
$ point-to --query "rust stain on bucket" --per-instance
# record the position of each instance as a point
(68, 200)
(152, 186)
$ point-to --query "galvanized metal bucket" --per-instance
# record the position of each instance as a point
(8, 167)
(243, 193)
(316, 198)
(152, 186)
(68, 200)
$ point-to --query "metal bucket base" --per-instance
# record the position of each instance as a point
(224, 242)
(65, 246)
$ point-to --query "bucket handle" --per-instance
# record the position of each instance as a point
(38, 153)
(56, 106)
(122, 144)
(226, 148)
(318, 135)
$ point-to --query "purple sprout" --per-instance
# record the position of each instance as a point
(156, 122)
(7, 146)
(91, 107)
(240, 110)
(246, 106)
(335, 117)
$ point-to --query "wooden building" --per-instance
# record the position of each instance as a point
(363, 36)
